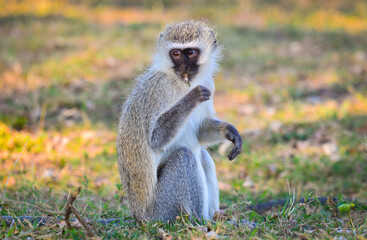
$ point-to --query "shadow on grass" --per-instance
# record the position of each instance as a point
(337, 91)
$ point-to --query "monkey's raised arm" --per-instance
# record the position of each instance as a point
(170, 121)
(213, 130)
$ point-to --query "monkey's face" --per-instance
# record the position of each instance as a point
(185, 63)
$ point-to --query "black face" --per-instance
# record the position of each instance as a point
(185, 61)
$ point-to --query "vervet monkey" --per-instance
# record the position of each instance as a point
(166, 124)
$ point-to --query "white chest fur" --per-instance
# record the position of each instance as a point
(188, 138)
(188, 134)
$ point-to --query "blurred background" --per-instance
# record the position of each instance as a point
(293, 80)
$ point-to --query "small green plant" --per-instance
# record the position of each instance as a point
(347, 207)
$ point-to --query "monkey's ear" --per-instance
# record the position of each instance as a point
(160, 39)
(212, 34)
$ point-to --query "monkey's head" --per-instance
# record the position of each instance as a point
(185, 49)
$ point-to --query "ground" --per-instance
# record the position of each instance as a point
(293, 80)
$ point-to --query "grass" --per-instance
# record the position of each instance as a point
(301, 220)
(292, 80)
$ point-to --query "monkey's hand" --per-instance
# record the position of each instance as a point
(233, 136)
(199, 94)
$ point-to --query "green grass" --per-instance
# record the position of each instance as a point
(292, 80)
(302, 220)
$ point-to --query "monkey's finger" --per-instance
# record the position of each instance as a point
(232, 156)
(206, 93)
(201, 89)
(238, 142)
(234, 153)
(237, 149)
(204, 98)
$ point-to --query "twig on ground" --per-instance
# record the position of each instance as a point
(332, 205)
(255, 210)
(250, 207)
(70, 209)
(69, 203)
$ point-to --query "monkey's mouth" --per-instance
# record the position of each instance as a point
(185, 78)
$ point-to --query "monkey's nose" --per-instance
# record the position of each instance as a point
(186, 67)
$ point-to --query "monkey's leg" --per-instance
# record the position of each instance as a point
(213, 131)
(179, 190)
(211, 182)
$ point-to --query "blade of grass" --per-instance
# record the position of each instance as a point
(11, 170)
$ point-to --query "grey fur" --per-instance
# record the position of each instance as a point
(160, 178)
(188, 31)
(183, 190)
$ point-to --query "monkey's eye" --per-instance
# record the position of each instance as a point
(192, 52)
(175, 53)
